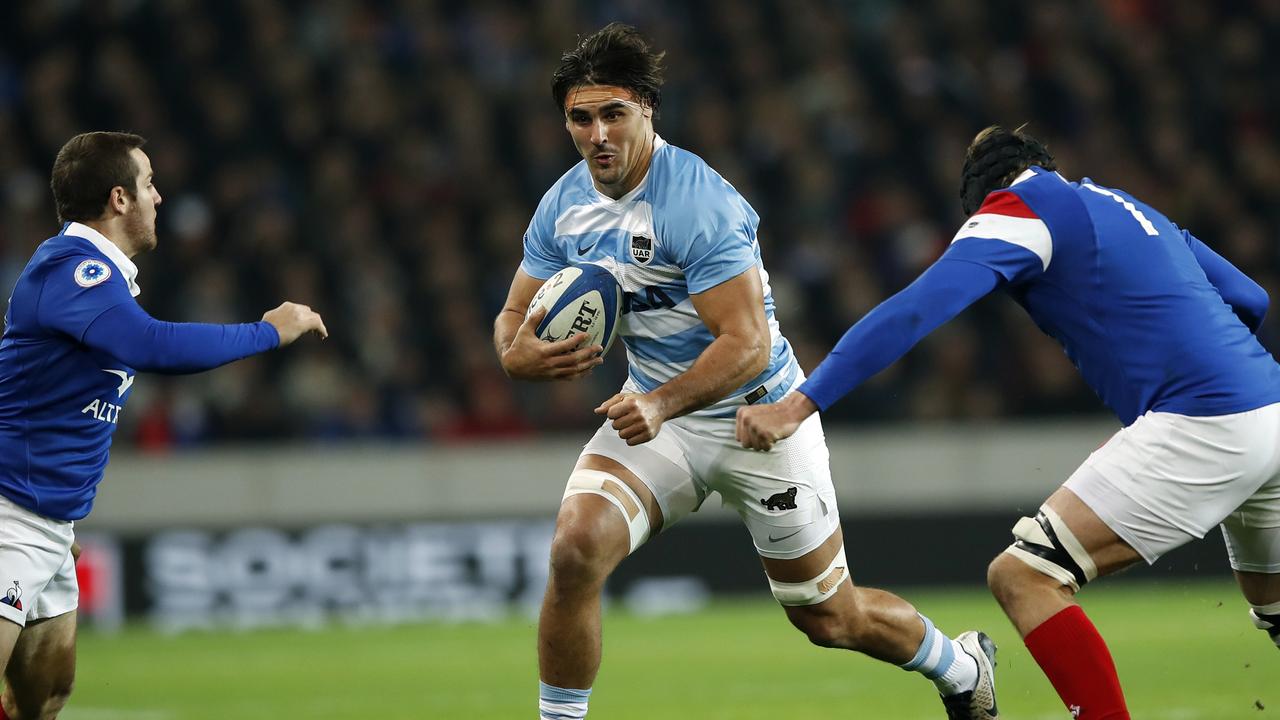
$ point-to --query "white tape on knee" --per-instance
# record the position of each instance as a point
(812, 592)
(619, 494)
(1267, 619)
(1054, 550)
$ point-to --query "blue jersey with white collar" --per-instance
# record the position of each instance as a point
(73, 336)
(682, 231)
(1153, 319)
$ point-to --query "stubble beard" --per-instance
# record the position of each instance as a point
(142, 235)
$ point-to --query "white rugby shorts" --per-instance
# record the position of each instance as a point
(1169, 478)
(784, 496)
(37, 572)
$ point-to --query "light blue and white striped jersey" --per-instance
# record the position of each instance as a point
(683, 230)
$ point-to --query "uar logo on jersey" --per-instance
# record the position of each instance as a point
(109, 412)
(641, 249)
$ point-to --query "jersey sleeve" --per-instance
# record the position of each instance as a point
(896, 325)
(76, 290)
(128, 333)
(1006, 236)
(709, 231)
(541, 258)
(1248, 300)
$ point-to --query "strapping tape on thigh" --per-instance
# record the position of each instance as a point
(1048, 545)
(812, 592)
(619, 494)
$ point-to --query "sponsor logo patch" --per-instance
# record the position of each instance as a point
(13, 596)
(92, 272)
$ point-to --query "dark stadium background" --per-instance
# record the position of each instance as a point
(380, 161)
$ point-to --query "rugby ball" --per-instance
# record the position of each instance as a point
(580, 298)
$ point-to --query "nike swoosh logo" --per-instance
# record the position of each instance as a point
(126, 380)
(784, 537)
(582, 249)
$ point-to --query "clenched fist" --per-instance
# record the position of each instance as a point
(292, 320)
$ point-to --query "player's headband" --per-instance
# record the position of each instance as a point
(593, 94)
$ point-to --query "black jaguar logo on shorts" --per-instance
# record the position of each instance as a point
(641, 249)
(781, 501)
(13, 596)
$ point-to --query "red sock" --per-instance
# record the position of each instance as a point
(1075, 658)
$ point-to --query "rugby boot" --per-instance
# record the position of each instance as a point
(980, 702)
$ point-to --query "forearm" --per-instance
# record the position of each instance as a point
(724, 366)
(151, 345)
(504, 329)
(895, 326)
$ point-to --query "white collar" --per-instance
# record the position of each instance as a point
(127, 269)
(1029, 173)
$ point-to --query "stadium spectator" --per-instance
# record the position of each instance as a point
(378, 145)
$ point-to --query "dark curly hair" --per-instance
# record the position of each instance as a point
(994, 159)
(616, 54)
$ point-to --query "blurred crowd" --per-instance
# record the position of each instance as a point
(380, 161)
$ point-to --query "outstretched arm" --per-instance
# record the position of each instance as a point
(127, 332)
(876, 341)
(1247, 298)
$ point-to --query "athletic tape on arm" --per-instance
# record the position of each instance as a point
(619, 494)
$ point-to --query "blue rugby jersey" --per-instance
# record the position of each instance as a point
(74, 338)
(681, 231)
(1152, 318)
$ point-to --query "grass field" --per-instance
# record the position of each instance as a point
(1185, 651)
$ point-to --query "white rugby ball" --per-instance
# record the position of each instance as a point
(580, 298)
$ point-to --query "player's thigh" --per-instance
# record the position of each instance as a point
(657, 473)
(1252, 534)
(37, 571)
(1110, 552)
(43, 663)
(784, 496)
(9, 631)
(1168, 479)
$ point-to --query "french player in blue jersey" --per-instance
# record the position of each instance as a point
(74, 339)
(1162, 328)
(701, 342)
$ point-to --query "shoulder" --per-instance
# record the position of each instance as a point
(686, 188)
(573, 188)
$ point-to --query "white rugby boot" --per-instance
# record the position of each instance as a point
(980, 702)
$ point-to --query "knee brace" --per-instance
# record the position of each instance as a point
(619, 494)
(1267, 617)
(812, 592)
(1048, 545)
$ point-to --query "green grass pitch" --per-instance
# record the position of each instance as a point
(1185, 651)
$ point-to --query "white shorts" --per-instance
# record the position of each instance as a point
(1168, 478)
(784, 496)
(37, 572)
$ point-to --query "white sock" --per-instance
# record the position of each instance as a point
(943, 661)
(561, 703)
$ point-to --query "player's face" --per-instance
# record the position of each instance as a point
(140, 222)
(613, 132)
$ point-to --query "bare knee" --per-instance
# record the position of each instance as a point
(584, 553)
(1008, 578)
